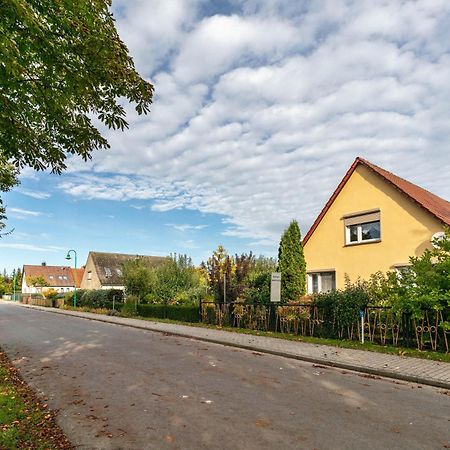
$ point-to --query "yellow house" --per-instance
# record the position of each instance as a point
(374, 221)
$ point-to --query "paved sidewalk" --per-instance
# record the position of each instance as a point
(422, 371)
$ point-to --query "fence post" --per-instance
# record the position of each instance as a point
(200, 310)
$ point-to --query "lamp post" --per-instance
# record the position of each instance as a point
(14, 288)
(68, 257)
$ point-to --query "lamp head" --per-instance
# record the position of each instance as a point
(68, 256)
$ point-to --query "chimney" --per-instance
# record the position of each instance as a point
(43, 263)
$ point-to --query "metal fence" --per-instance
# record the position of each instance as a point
(381, 324)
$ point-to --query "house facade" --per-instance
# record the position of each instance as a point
(374, 221)
(38, 279)
(104, 270)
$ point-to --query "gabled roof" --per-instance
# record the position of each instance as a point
(55, 276)
(109, 265)
(435, 205)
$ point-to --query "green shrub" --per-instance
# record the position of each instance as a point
(68, 298)
(258, 287)
(100, 298)
(129, 307)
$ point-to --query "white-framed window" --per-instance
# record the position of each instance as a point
(321, 282)
(108, 271)
(362, 228)
(89, 275)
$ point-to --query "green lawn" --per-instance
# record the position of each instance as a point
(25, 423)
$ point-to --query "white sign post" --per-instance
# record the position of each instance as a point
(275, 287)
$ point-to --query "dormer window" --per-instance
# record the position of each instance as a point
(108, 271)
(362, 228)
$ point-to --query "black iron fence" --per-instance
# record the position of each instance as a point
(381, 325)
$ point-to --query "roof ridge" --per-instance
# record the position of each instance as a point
(435, 205)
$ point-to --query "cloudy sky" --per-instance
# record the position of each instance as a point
(260, 108)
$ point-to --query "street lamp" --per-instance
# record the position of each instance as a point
(74, 276)
(14, 288)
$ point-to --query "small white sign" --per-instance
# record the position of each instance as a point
(275, 287)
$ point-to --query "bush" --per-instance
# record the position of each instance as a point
(68, 298)
(100, 298)
(258, 287)
(50, 294)
(129, 307)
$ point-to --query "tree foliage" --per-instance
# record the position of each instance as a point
(291, 264)
(426, 282)
(176, 281)
(246, 277)
(62, 64)
(37, 281)
(137, 277)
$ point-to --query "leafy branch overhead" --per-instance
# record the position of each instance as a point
(62, 64)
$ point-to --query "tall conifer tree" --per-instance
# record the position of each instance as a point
(291, 264)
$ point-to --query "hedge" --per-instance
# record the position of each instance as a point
(173, 312)
(100, 298)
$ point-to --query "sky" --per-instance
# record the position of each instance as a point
(259, 110)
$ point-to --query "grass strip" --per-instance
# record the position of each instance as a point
(25, 421)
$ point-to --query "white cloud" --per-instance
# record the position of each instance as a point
(20, 213)
(259, 113)
(32, 247)
(186, 227)
(34, 194)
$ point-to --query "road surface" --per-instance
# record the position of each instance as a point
(122, 388)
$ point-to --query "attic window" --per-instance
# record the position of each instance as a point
(50, 277)
(362, 228)
(89, 275)
(119, 272)
(108, 271)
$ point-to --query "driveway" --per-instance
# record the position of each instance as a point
(119, 387)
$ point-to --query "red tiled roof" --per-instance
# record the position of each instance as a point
(57, 276)
(435, 205)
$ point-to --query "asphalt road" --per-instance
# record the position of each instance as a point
(123, 388)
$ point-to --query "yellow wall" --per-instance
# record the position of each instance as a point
(406, 230)
(94, 282)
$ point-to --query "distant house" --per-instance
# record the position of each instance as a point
(39, 279)
(374, 221)
(104, 270)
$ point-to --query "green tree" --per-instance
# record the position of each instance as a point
(291, 264)
(37, 281)
(4, 285)
(426, 282)
(220, 268)
(137, 277)
(8, 179)
(61, 65)
(176, 281)
(257, 282)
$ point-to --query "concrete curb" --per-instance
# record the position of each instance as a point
(316, 360)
